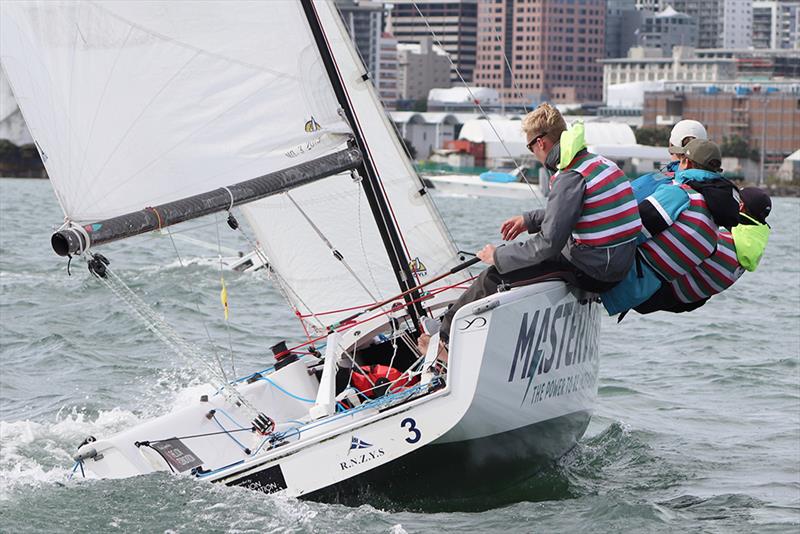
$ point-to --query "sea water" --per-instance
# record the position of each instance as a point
(697, 425)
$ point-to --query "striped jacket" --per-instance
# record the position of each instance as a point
(686, 243)
(713, 276)
(610, 215)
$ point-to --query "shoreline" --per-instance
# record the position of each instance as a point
(774, 190)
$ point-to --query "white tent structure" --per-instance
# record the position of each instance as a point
(505, 139)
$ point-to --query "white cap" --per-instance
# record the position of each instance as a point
(682, 130)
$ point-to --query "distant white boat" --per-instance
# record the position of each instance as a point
(495, 184)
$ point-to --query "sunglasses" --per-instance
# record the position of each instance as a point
(533, 141)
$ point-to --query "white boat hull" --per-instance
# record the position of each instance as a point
(473, 186)
(521, 387)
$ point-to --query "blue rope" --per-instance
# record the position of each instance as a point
(231, 419)
(209, 473)
(227, 433)
(78, 463)
(290, 394)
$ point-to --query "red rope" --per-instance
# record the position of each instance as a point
(399, 305)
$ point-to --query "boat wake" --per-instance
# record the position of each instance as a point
(36, 453)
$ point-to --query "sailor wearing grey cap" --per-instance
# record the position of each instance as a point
(682, 133)
(680, 231)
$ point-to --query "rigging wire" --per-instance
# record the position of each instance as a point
(283, 287)
(212, 344)
(511, 72)
(536, 196)
(163, 331)
(338, 255)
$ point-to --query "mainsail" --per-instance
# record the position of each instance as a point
(138, 104)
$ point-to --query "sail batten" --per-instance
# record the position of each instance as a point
(67, 241)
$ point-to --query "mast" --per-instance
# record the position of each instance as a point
(367, 170)
(74, 240)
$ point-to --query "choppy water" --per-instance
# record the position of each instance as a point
(697, 427)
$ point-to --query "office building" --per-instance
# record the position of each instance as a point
(421, 67)
(544, 50)
(452, 24)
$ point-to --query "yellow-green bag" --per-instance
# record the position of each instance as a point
(750, 241)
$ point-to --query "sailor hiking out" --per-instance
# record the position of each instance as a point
(586, 233)
(680, 226)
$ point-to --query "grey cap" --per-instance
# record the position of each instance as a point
(704, 153)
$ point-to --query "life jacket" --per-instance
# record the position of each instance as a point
(610, 215)
(686, 243)
(374, 380)
(713, 276)
(722, 199)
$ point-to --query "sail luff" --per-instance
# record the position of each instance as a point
(372, 189)
(69, 241)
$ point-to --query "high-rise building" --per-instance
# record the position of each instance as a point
(421, 67)
(364, 21)
(776, 24)
(622, 24)
(453, 24)
(387, 72)
(667, 29)
(721, 23)
(651, 5)
(535, 50)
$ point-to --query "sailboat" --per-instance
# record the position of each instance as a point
(148, 115)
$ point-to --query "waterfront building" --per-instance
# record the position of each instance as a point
(535, 51)
(454, 24)
(700, 65)
(421, 67)
(765, 114)
(776, 25)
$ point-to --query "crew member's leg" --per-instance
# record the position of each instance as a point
(664, 300)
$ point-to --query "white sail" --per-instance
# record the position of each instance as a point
(133, 104)
(322, 282)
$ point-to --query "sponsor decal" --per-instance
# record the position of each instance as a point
(417, 267)
(177, 454)
(560, 336)
(475, 323)
(92, 227)
(356, 443)
(357, 458)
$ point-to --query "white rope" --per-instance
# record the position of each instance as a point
(338, 255)
(230, 195)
